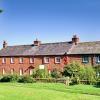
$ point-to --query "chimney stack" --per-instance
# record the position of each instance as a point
(75, 39)
(37, 42)
(4, 44)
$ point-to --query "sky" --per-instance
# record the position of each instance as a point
(22, 21)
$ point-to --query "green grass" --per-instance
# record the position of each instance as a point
(47, 91)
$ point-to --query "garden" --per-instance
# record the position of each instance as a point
(74, 82)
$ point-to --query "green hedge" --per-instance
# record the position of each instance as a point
(26, 79)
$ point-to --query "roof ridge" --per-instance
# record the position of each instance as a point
(19, 45)
(57, 42)
(89, 41)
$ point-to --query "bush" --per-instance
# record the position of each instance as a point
(40, 73)
(56, 74)
(71, 70)
(26, 79)
(88, 74)
(8, 78)
(74, 81)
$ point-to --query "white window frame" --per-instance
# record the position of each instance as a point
(31, 60)
(57, 61)
(11, 60)
(97, 59)
(85, 60)
(3, 71)
(46, 60)
(20, 71)
(12, 71)
(3, 60)
(31, 71)
(21, 60)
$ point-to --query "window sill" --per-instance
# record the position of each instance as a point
(97, 62)
(20, 63)
(57, 62)
(46, 62)
(85, 62)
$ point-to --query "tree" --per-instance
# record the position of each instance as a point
(88, 73)
(71, 70)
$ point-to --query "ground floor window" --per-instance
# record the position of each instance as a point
(12, 71)
(98, 59)
(85, 59)
(31, 71)
(3, 71)
(21, 72)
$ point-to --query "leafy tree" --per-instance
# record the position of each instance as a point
(87, 73)
(71, 69)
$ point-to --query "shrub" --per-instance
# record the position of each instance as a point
(26, 79)
(98, 82)
(74, 81)
(40, 73)
(71, 70)
(88, 74)
(8, 78)
(56, 74)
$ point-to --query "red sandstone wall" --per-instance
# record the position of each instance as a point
(26, 64)
(38, 61)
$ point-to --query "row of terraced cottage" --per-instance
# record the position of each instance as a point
(23, 59)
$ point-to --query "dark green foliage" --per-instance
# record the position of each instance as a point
(8, 78)
(79, 73)
(40, 73)
(88, 73)
(25, 79)
(97, 69)
(74, 81)
(71, 70)
(5, 79)
(56, 74)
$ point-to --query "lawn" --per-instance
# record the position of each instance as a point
(48, 91)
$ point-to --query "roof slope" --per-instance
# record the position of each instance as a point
(86, 48)
(31, 50)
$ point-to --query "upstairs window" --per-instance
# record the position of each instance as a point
(46, 59)
(11, 60)
(97, 59)
(31, 60)
(57, 59)
(3, 60)
(85, 59)
(21, 60)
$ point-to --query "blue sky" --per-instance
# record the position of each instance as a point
(49, 20)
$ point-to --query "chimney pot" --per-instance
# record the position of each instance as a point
(37, 42)
(75, 39)
(4, 44)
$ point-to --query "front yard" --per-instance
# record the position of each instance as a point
(48, 91)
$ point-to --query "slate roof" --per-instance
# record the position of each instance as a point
(86, 48)
(59, 48)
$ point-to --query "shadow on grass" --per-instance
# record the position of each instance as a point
(97, 86)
